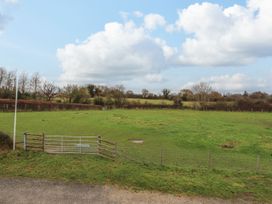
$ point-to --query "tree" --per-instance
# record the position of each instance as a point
(35, 84)
(166, 93)
(3, 73)
(215, 96)
(202, 91)
(10, 81)
(129, 94)
(118, 95)
(68, 92)
(80, 94)
(92, 90)
(145, 93)
(49, 90)
(186, 95)
(23, 83)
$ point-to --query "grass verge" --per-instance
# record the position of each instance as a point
(95, 170)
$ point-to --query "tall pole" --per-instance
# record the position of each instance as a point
(15, 113)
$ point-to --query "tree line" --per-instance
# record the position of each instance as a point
(33, 87)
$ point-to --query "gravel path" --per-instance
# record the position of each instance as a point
(30, 191)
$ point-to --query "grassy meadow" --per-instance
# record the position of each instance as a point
(191, 145)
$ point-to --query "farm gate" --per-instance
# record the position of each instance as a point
(63, 144)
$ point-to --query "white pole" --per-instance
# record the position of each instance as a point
(15, 113)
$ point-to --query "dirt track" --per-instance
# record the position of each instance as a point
(28, 191)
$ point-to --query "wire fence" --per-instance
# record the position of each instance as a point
(199, 159)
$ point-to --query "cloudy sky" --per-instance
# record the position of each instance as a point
(151, 44)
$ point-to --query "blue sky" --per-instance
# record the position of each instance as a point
(35, 36)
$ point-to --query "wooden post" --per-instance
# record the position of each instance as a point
(80, 144)
(209, 160)
(115, 150)
(258, 164)
(43, 143)
(25, 135)
(161, 156)
(61, 143)
(98, 144)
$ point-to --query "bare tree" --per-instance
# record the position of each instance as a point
(118, 95)
(145, 93)
(10, 81)
(49, 90)
(71, 92)
(3, 73)
(202, 91)
(35, 84)
(23, 82)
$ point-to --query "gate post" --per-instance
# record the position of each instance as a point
(25, 140)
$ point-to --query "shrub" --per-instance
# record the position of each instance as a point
(5, 141)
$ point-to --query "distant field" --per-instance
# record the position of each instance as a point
(176, 138)
(151, 101)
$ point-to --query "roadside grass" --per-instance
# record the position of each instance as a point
(179, 181)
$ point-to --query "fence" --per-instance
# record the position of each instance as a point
(218, 159)
(190, 158)
(60, 144)
(33, 142)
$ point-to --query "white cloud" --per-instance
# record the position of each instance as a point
(138, 14)
(234, 83)
(153, 21)
(215, 36)
(231, 36)
(120, 52)
(153, 77)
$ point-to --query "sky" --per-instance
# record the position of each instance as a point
(141, 44)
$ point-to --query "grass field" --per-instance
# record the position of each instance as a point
(188, 143)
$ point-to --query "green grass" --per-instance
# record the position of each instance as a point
(185, 139)
(94, 170)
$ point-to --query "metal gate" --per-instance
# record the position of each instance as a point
(33, 142)
(62, 144)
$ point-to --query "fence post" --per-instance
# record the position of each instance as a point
(98, 143)
(161, 157)
(25, 138)
(43, 143)
(115, 149)
(209, 160)
(80, 144)
(61, 143)
(258, 164)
